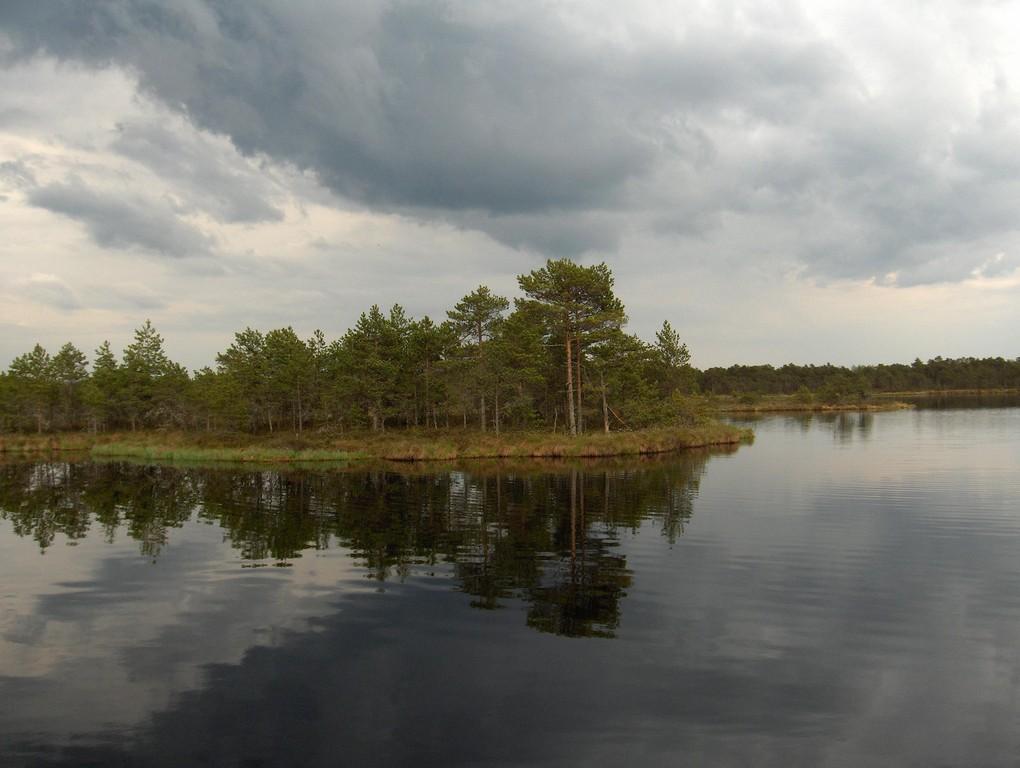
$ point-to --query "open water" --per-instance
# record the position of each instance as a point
(843, 592)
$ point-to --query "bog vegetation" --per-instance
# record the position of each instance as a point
(557, 358)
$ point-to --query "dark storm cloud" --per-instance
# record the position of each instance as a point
(407, 106)
(116, 222)
(569, 234)
(417, 105)
(515, 123)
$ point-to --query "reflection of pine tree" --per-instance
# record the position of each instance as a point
(44, 500)
(581, 590)
(548, 539)
(41, 501)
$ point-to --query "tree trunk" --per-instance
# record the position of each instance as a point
(481, 365)
(570, 388)
(580, 409)
(496, 411)
(605, 404)
(428, 398)
(556, 418)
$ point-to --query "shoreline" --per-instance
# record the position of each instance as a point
(971, 392)
(876, 402)
(395, 446)
(783, 407)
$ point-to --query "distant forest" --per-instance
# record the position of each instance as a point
(558, 359)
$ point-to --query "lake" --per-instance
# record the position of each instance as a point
(844, 592)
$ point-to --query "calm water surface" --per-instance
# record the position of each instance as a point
(845, 592)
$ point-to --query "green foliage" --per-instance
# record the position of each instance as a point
(370, 356)
(70, 372)
(150, 383)
(844, 388)
(804, 396)
(102, 390)
(674, 361)
(476, 320)
(688, 410)
(859, 382)
(560, 361)
(673, 353)
(579, 309)
(34, 385)
(476, 317)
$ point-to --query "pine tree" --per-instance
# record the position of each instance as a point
(288, 372)
(674, 360)
(102, 390)
(580, 308)
(145, 368)
(372, 350)
(34, 385)
(475, 319)
(243, 369)
(70, 371)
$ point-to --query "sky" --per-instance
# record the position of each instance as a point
(783, 181)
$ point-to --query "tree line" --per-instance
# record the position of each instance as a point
(832, 382)
(557, 357)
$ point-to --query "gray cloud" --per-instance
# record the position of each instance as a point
(196, 165)
(407, 106)
(570, 234)
(426, 106)
(131, 297)
(49, 290)
(513, 122)
(116, 222)
(16, 173)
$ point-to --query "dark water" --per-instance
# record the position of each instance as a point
(845, 592)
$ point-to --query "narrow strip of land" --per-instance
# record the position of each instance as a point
(391, 446)
(793, 404)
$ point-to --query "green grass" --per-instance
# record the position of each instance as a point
(33, 443)
(392, 446)
(198, 454)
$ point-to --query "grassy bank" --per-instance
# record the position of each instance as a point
(794, 404)
(391, 446)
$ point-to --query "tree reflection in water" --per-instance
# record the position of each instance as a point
(545, 534)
